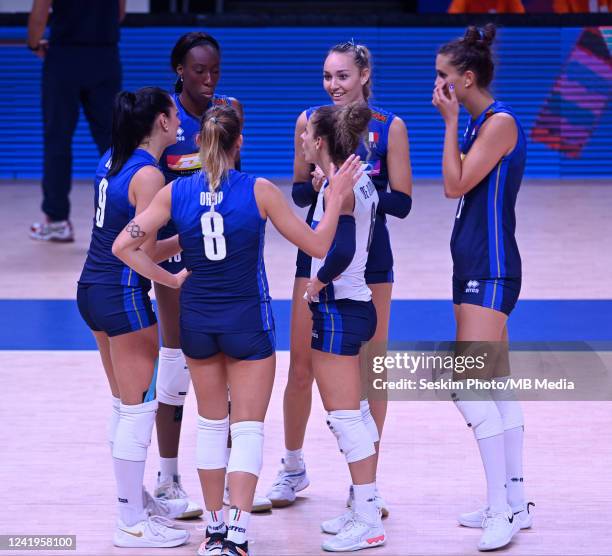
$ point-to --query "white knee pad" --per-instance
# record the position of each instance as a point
(508, 406)
(173, 377)
(247, 447)
(482, 416)
(211, 443)
(133, 434)
(113, 421)
(368, 420)
(350, 431)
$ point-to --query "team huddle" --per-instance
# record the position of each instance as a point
(173, 207)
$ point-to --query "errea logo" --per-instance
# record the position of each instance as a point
(472, 286)
(180, 134)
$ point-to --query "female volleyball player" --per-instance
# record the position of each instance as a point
(344, 318)
(485, 175)
(196, 60)
(114, 302)
(347, 77)
(227, 328)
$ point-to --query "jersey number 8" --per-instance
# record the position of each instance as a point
(101, 202)
(212, 230)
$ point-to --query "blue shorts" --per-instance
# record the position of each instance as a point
(302, 264)
(115, 309)
(247, 346)
(500, 294)
(342, 326)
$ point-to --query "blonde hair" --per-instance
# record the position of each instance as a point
(219, 131)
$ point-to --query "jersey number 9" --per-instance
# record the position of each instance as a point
(212, 230)
(101, 203)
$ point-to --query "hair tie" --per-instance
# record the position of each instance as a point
(214, 120)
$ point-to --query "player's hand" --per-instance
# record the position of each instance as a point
(312, 289)
(342, 181)
(446, 103)
(180, 277)
(41, 51)
(318, 178)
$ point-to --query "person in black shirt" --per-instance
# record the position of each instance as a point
(81, 66)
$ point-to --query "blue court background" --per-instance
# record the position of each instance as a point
(57, 324)
(277, 72)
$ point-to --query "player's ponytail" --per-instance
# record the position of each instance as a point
(361, 57)
(342, 127)
(219, 131)
(473, 52)
(134, 116)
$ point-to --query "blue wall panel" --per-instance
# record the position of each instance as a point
(276, 73)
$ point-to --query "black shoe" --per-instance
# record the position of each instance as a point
(232, 549)
(213, 543)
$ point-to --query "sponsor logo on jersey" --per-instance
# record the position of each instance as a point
(379, 117)
(180, 135)
(221, 101)
(472, 286)
(208, 198)
(371, 169)
(184, 162)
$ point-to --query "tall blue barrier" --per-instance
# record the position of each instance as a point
(560, 89)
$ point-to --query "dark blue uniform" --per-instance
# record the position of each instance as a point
(111, 296)
(379, 267)
(486, 259)
(182, 159)
(225, 303)
(81, 68)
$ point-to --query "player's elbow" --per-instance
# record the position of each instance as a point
(117, 249)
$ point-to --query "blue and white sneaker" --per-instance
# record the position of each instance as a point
(287, 484)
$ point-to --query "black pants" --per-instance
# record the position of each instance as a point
(72, 76)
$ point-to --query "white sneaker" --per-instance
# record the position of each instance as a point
(334, 526)
(172, 489)
(52, 231)
(260, 503)
(498, 529)
(169, 509)
(286, 485)
(380, 502)
(356, 534)
(476, 518)
(153, 532)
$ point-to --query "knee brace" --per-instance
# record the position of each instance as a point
(508, 406)
(211, 443)
(113, 421)
(247, 447)
(350, 431)
(173, 377)
(368, 420)
(133, 434)
(482, 416)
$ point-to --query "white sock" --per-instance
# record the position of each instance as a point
(129, 476)
(364, 503)
(113, 421)
(237, 526)
(168, 469)
(294, 460)
(492, 453)
(216, 523)
(513, 443)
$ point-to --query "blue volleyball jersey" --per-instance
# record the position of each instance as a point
(374, 151)
(112, 213)
(483, 244)
(222, 237)
(183, 158)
